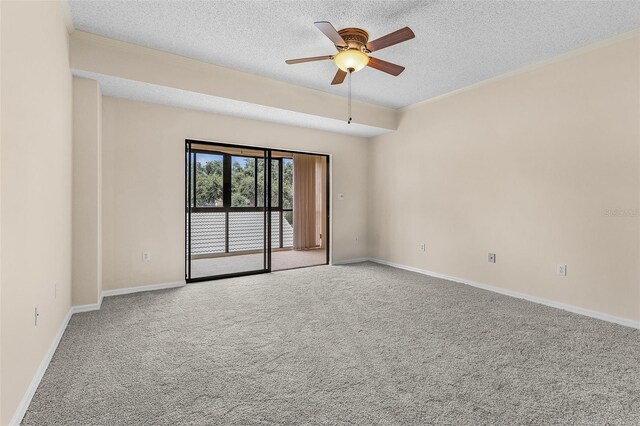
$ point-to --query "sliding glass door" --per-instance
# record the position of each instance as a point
(246, 215)
(227, 212)
(299, 214)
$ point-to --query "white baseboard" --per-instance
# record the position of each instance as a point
(42, 368)
(349, 261)
(87, 308)
(535, 299)
(120, 291)
(129, 290)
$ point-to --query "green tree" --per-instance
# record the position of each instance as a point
(287, 183)
(243, 183)
(209, 183)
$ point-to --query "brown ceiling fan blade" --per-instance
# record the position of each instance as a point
(329, 30)
(311, 59)
(385, 66)
(339, 77)
(395, 37)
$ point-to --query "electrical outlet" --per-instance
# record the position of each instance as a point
(423, 247)
(146, 256)
(492, 258)
(357, 239)
(562, 270)
(36, 315)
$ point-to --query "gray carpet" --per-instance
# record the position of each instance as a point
(359, 344)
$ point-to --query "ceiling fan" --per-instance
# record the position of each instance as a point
(354, 47)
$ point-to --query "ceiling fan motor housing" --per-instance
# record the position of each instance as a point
(356, 38)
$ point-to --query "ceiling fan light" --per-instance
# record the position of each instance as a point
(351, 59)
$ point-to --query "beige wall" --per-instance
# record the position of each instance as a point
(87, 192)
(526, 167)
(35, 188)
(143, 191)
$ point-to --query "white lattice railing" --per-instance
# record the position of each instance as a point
(246, 232)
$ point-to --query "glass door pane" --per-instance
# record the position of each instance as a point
(209, 179)
(227, 227)
(310, 248)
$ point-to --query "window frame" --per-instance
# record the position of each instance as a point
(227, 189)
(226, 184)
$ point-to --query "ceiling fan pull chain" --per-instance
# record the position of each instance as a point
(349, 121)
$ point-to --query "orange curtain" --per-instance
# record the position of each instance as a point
(309, 201)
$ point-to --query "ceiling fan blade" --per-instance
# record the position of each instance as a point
(385, 66)
(329, 30)
(311, 59)
(390, 39)
(339, 77)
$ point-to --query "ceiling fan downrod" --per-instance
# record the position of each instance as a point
(349, 83)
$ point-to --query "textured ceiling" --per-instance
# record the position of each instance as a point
(457, 43)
